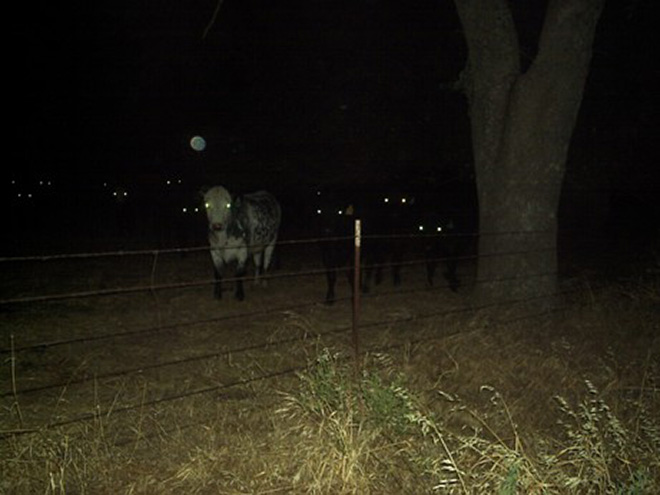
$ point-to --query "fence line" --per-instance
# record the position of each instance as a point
(159, 328)
(280, 243)
(264, 345)
(152, 287)
(264, 312)
(153, 402)
(267, 276)
(173, 397)
(380, 349)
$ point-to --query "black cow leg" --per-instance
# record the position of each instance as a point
(240, 275)
(430, 272)
(378, 278)
(451, 276)
(217, 285)
(397, 261)
(366, 274)
(331, 276)
(396, 275)
(259, 270)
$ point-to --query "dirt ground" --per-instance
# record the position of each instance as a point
(160, 376)
(149, 335)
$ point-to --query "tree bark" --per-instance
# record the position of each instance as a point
(521, 126)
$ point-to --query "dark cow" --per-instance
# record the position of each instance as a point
(335, 220)
(391, 218)
(443, 241)
(240, 226)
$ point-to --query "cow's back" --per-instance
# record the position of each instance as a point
(261, 215)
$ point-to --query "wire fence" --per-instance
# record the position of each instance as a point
(314, 242)
(12, 351)
(92, 416)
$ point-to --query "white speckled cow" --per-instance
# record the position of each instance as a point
(240, 226)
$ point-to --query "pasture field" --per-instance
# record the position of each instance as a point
(164, 390)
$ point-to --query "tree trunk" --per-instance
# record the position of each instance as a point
(521, 129)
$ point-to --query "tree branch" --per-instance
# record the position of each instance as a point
(213, 18)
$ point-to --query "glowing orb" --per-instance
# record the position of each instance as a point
(198, 143)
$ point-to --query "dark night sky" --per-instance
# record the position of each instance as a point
(119, 87)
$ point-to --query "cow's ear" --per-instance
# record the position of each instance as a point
(203, 190)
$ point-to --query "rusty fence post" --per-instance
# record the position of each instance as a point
(356, 294)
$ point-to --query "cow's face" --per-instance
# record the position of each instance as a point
(217, 202)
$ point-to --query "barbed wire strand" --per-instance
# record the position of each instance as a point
(263, 312)
(215, 355)
(280, 243)
(154, 287)
(266, 276)
(173, 397)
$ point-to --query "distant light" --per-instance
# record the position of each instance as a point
(198, 143)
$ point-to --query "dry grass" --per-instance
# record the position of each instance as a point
(466, 403)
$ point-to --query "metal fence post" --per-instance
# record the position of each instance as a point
(356, 294)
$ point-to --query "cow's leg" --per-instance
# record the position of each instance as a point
(258, 259)
(430, 272)
(217, 285)
(268, 255)
(240, 274)
(329, 254)
(431, 264)
(217, 272)
(366, 274)
(331, 276)
(397, 261)
(266, 260)
(375, 271)
(450, 273)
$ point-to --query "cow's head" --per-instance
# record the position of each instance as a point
(218, 204)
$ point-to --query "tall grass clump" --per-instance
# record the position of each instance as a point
(339, 440)
(599, 454)
(367, 432)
